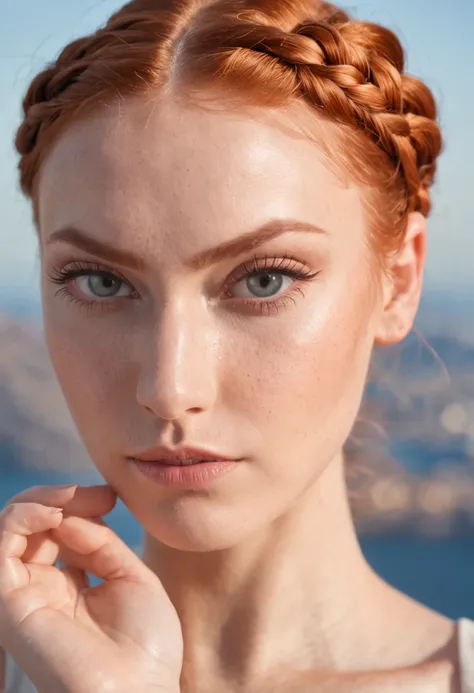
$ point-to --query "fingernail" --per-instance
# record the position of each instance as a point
(67, 486)
(55, 511)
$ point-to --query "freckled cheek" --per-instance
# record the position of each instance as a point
(87, 362)
(298, 373)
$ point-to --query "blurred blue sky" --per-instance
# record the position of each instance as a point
(437, 36)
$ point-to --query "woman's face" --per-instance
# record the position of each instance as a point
(237, 311)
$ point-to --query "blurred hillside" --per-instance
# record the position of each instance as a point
(410, 460)
(411, 457)
(36, 430)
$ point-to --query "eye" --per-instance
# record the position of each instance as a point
(101, 285)
(91, 284)
(264, 284)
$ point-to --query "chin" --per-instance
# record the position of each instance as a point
(195, 524)
(192, 544)
(198, 538)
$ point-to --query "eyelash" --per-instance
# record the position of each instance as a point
(286, 265)
(62, 277)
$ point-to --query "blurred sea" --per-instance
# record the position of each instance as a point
(437, 572)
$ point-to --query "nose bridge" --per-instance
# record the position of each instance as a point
(177, 362)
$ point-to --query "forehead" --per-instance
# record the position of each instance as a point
(152, 168)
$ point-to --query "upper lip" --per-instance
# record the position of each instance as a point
(164, 455)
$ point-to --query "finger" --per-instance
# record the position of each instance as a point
(92, 546)
(42, 549)
(26, 518)
(18, 521)
(83, 501)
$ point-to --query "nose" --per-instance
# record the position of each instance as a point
(178, 364)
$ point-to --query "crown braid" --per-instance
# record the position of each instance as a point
(353, 74)
(350, 72)
(84, 68)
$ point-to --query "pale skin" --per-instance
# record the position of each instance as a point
(263, 568)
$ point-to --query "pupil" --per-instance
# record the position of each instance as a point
(103, 285)
(265, 284)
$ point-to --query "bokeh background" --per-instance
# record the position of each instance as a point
(411, 458)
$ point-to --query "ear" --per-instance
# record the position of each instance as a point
(402, 289)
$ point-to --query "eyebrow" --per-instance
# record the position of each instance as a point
(236, 246)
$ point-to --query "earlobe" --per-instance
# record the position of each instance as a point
(406, 280)
(391, 330)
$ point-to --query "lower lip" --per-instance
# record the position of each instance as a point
(185, 476)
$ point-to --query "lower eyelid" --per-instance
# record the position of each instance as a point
(269, 305)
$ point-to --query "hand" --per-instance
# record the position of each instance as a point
(123, 635)
(427, 677)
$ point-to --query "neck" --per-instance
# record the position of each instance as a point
(297, 595)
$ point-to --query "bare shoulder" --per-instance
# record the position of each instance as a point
(429, 645)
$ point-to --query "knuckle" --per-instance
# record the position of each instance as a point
(15, 512)
(7, 512)
(109, 533)
(104, 532)
(14, 509)
(8, 519)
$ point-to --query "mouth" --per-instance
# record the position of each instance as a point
(182, 463)
(183, 468)
(180, 457)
